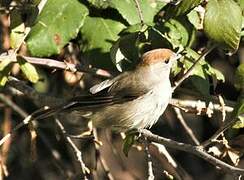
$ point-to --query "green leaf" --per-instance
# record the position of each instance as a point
(135, 28)
(5, 61)
(222, 23)
(242, 4)
(101, 4)
(239, 114)
(17, 36)
(28, 69)
(124, 53)
(199, 76)
(182, 8)
(215, 72)
(4, 74)
(178, 32)
(17, 28)
(117, 56)
(128, 143)
(57, 24)
(195, 19)
(43, 85)
(5, 67)
(128, 10)
(239, 77)
(98, 36)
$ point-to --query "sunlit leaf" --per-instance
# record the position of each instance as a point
(128, 10)
(55, 26)
(222, 23)
(98, 36)
(28, 69)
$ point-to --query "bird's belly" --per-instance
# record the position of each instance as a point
(140, 113)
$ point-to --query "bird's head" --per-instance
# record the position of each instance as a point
(158, 61)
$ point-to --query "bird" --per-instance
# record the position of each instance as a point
(134, 99)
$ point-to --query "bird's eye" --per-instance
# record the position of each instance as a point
(166, 61)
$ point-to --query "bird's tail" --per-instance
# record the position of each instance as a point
(42, 113)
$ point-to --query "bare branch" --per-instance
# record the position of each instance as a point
(149, 161)
(77, 152)
(199, 107)
(52, 63)
(197, 150)
(185, 126)
(219, 132)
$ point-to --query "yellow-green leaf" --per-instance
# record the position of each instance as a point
(5, 62)
(28, 69)
(239, 114)
(4, 75)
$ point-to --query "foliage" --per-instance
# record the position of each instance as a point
(113, 34)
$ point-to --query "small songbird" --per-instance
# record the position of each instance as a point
(132, 100)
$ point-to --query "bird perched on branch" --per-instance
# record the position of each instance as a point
(132, 100)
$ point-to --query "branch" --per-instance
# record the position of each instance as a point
(197, 150)
(199, 107)
(170, 166)
(77, 152)
(185, 126)
(149, 162)
(52, 63)
(219, 132)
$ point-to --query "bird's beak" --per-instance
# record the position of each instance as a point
(175, 57)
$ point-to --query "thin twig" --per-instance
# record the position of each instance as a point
(16, 108)
(197, 150)
(52, 63)
(6, 126)
(185, 126)
(199, 107)
(77, 152)
(170, 167)
(219, 132)
(102, 160)
(139, 12)
(24, 114)
(149, 162)
(11, 104)
(105, 168)
(188, 73)
(222, 103)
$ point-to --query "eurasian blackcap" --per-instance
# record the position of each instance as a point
(132, 100)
